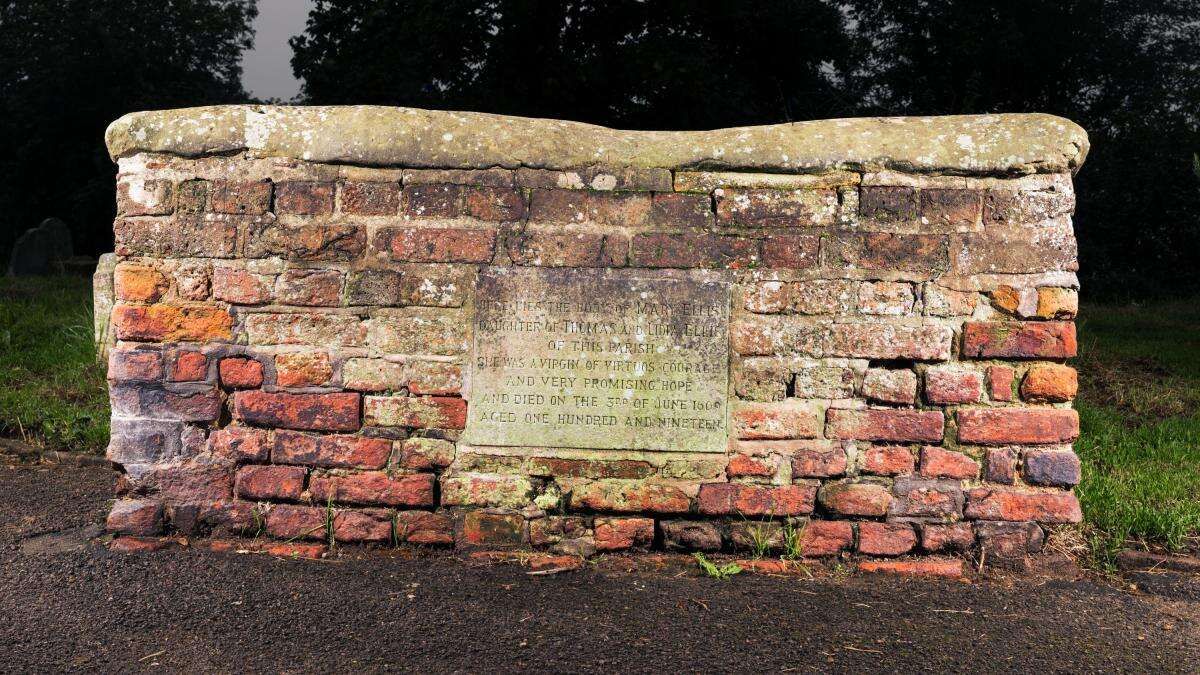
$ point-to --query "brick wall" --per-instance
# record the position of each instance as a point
(290, 338)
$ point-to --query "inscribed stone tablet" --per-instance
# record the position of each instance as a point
(599, 359)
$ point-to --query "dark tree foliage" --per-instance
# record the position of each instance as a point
(1126, 71)
(633, 63)
(69, 67)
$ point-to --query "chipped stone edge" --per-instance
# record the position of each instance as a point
(1003, 144)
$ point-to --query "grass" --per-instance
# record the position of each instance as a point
(1139, 410)
(715, 571)
(1139, 406)
(52, 391)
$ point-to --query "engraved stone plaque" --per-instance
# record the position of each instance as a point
(606, 359)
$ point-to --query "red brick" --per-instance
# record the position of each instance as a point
(191, 196)
(486, 489)
(885, 538)
(417, 412)
(135, 516)
(898, 387)
(362, 525)
(139, 283)
(926, 498)
(681, 210)
(777, 208)
(951, 208)
(1050, 340)
(296, 522)
(426, 454)
(791, 251)
(302, 369)
(1049, 383)
(630, 496)
(320, 412)
(775, 420)
(949, 568)
(940, 463)
(145, 197)
(888, 204)
(685, 535)
(951, 385)
(432, 201)
(135, 365)
(140, 544)
(1001, 541)
(332, 452)
(588, 468)
(887, 341)
(816, 461)
(745, 466)
(189, 367)
(1008, 504)
(443, 244)
(270, 482)
(317, 241)
(884, 425)
(172, 323)
(1000, 466)
(370, 199)
(375, 487)
(856, 499)
(423, 527)
(755, 500)
(888, 460)
(622, 209)
(493, 203)
(308, 198)
(1000, 383)
(480, 528)
(937, 537)
(1059, 468)
(310, 288)
(248, 198)
(241, 444)
(693, 250)
(240, 287)
(178, 237)
(241, 373)
(826, 537)
(891, 252)
(618, 534)
(191, 404)
(1001, 426)
(567, 249)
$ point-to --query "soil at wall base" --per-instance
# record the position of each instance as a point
(85, 608)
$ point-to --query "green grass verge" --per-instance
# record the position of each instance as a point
(1140, 415)
(52, 391)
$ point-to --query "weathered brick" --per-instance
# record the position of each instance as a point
(888, 460)
(822, 538)
(270, 482)
(296, 522)
(238, 286)
(241, 444)
(745, 466)
(493, 204)
(310, 288)
(241, 373)
(684, 535)
(885, 385)
(500, 530)
(940, 301)
(630, 496)
(937, 537)
(623, 209)
(681, 210)
(940, 463)
(362, 525)
(951, 385)
(189, 366)
(486, 489)
(951, 209)
(489, 177)
(374, 487)
(817, 460)
(1016, 250)
(768, 297)
(1049, 383)
(776, 420)
(331, 452)
(308, 242)
(192, 281)
(777, 208)
(307, 198)
(190, 403)
(887, 341)
(1058, 468)
(1015, 301)
(138, 197)
(240, 197)
(135, 365)
(791, 251)
(178, 237)
(567, 249)
(1007, 504)
(418, 412)
(370, 199)
(918, 253)
(191, 196)
(884, 425)
(1000, 383)
(888, 204)
(756, 500)
(302, 369)
(316, 330)
(926, 498)
(618, 534)
(172, 323)
(1057, 303)
(139, 283)
(143, 517)
(443, 244)
(426, 454)
(588, 468)
(423, 527)
(1000, 466)
(885, 298)
(1033, 426)
(422, 285)
(885, 539)
(323, 412)
(948, 568)
(755, 335)
(693, 250)
(139, 441)
(856, 499)
(1051, 339)
(1022, 207)
(1001, 541)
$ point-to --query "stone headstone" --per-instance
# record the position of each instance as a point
(42, 251)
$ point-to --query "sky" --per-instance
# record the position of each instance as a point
(266, 71)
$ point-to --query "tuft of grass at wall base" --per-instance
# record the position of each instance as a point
(52, 391)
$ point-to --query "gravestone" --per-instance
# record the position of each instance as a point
(42, 251)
